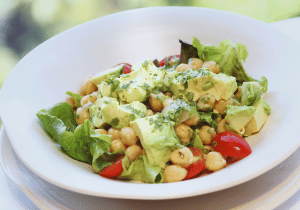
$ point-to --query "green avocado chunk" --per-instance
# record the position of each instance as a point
(251, 91)
(95, 111)
(119, 116)
(103, 75)
(179, 111)
(238, 116)
(192, 84)
(260, 116)
(158, 138)
(134, 86)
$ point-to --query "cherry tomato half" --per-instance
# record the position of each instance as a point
(163, 62)
(127, 69)
(112, 170)
(195, 168)
(232, 145)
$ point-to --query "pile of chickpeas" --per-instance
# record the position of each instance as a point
(127, 139)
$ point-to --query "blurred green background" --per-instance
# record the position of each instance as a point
(24, 24)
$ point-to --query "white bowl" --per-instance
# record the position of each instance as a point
(42, 77)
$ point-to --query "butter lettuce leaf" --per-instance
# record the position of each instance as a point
(77, 98)
(229, 56)
(141, 170)
(80, 142)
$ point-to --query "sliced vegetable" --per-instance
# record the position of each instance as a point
(196, 167)
(112, 170)
(127, 69)
(232, 145)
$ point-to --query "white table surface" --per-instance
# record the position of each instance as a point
(11, 197)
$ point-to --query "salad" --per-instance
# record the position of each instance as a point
(163, 121)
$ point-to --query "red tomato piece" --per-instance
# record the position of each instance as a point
(232, 145)
(163, 62)
(195, 168)
(113, 170)
(127, 69)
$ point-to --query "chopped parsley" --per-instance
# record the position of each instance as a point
(115, 122)
(161, 118)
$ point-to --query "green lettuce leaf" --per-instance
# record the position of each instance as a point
(229, 56)
(208, 118)
(80, 142)
(77, 98)
(141, 170)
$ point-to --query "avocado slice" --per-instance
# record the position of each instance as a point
(195, 83)
(260, 117)
(158, 138)
(119, 116)
(103, 75)
(179, 111)
(95, 111)
(238, 116)
(251, 91)
(134, 86)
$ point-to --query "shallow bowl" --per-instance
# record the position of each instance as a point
(60, 64)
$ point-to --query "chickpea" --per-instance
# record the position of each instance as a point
(215, 161)
(196, 63)
(174, 173)
(184, 132)
(239, 92)
(212, 66)
(182, 67)
(156, 102)
(70, 100)
(220, 106)
(221, 126)
(115, 133)
(206, 102)
(133, 152)
(182, 157)
(149, 113)
(87, 86)
(128, 136)
(81, 115)
(206, 134)
(117, 144)
(101, 131)
(89, 98)
(192, 121)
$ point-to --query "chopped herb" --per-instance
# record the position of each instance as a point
(132, 117)
(115, 122)
(145, 64)
(156, 91)
(214, 143)
(189, 96)
(159, 121)
(207, 85)
(181, 91)
(114, 85)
